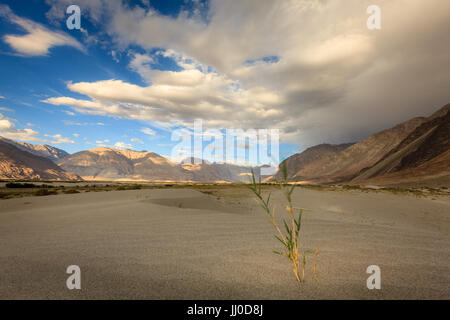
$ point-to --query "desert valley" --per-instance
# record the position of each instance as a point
(383, 201)
(413, 153)
(247, 152)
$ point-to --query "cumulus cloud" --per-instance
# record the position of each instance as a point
(38, 40)
(194, 92)
(9, 130)
(122, 145)
(148, 131)
(58, 138)
(6, 125)
(136, 140)
(310, 68)
(102, 143)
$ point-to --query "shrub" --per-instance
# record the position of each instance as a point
(47, 186)
(130, 187)
(290, 238)
(44, 192)
(20, 185)
(70, 191)
(134, 187)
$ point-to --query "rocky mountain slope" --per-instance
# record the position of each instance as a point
(423, 153)
(215, 172)
(408, 146)
(19, 164)
(117, 164)
(43, 150)
(415, 151)
(296, 163)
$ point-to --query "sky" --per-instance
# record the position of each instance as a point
(138, 70)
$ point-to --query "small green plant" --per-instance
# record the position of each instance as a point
(290, 238)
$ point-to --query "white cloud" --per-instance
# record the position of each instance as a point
(148, 131)
(73, 123)
(123, 145)
(38, 40)
(58, 138)
(102, 143)
(136, 140)
(176, 97)
(9, 130)
(76, 135)
(327, 66)
(21, 135)
(2, 97)
(6, 125)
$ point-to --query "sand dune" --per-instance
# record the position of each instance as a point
(163, 244)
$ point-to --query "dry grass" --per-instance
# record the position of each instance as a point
(416, 192)
(44, 192)
(290, 237)
(19, 190)
(231, 191)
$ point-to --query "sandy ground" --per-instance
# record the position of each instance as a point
(183, 244)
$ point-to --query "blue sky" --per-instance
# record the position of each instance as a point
(31, 79)
(138, 70)
(27, 80)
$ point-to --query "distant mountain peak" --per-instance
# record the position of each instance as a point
(193, 160)
(42, 150)
(415, 143)
(16, 163)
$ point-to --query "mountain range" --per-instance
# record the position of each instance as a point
(416, 152)
(34, 162)
(16, 163)
(43, 150)
(118, 164)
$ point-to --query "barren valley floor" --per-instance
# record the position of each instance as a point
(186, 244)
